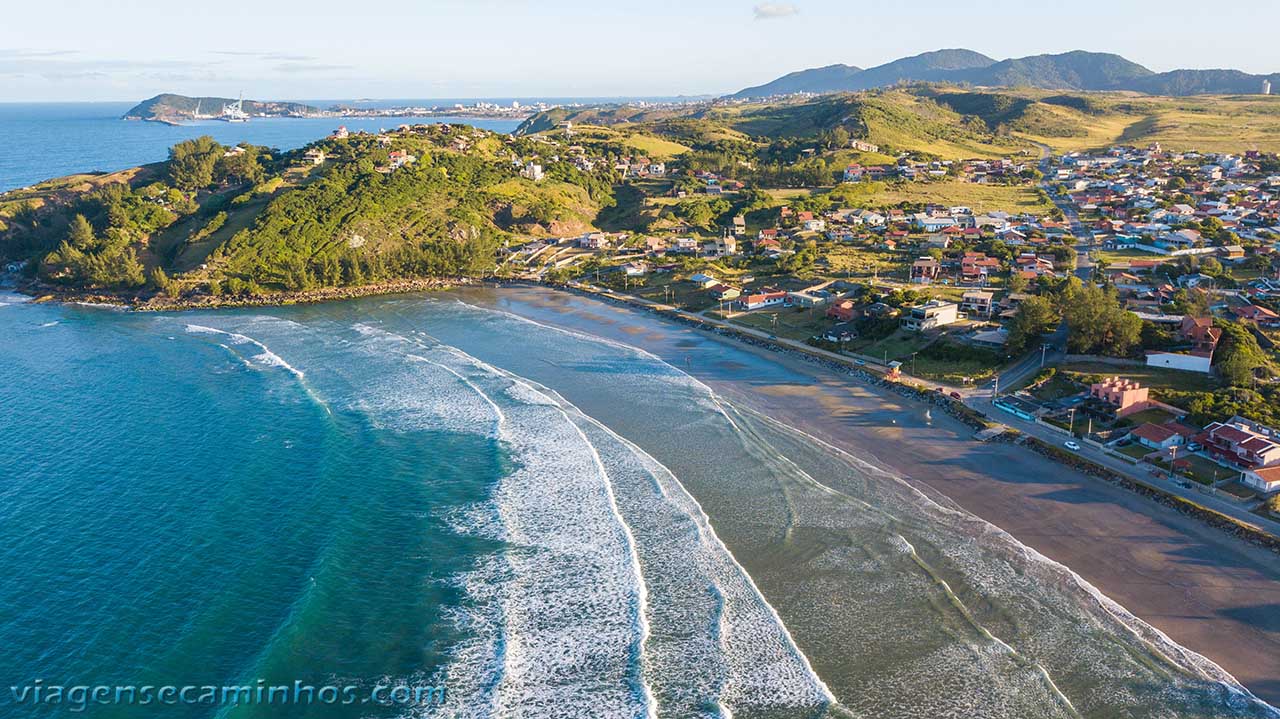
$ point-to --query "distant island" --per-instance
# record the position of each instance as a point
(175, 109)
(1076, 70)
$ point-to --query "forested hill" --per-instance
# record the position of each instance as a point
(176, 107)
(421, 202)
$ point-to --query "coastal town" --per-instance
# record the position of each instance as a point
(1179, 250)
(777, 364)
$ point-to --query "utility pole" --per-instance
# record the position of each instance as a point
(1073, 422)
(1044, 350)
(913, 363)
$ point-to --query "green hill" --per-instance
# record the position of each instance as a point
(212, 220)
(169, 107)
(906, 120)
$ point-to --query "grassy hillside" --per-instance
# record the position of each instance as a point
(1078, 121)
(214, 221)
(897, 120)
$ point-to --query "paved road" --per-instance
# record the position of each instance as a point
(1084, 236)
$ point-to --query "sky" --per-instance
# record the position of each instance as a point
(127, 50)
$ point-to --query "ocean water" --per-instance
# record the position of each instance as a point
(47, 140)
(435, 490)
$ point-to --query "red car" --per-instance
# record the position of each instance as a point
(956, 395)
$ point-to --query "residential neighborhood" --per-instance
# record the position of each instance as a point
(1176, 256)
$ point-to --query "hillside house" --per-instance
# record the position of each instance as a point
(977, 303)
(925, 271)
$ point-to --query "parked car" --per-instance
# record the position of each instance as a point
(956, 395)
(1072, 445)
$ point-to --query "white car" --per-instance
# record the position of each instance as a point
(1073, 446)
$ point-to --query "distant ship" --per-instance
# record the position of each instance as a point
(234, 112)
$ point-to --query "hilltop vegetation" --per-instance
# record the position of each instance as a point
(252, 220)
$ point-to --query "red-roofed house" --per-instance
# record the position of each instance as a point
(764, 298)
(1201, 333)
(844, 311)
(1156, 436)
(1258, 315)
(1238, 444)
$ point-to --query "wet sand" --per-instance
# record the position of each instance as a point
(1206, 590)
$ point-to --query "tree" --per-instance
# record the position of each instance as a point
(1034, 318)
(1096, 322)
(1238, 357)
(1017, 282)
(191, 163)
(80, 234)
(241, 167)
(160, 280)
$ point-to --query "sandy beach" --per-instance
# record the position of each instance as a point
(1205, 590)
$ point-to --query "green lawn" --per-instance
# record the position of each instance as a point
(1201, 470)
(897, 346)
(1057, 387)
(791, 323)
(1135, 450)
(1154, 416)
(655, 147)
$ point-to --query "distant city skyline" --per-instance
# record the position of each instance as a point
(64, 50)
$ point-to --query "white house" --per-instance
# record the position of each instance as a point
(1185, 362)
(1263, 479)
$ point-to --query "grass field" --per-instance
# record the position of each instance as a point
(1206, 123)
(655, 147)
(982, 198)
(1154, 377)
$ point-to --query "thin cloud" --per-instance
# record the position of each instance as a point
(301, 67)
(278, 56)
(775, 10)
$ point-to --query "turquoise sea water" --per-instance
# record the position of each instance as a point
(430, 490)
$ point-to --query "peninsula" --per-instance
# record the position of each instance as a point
(175, 109)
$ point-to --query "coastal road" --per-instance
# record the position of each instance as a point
(981, 400)
(1138, 472)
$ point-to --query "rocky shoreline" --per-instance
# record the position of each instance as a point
(150, 302)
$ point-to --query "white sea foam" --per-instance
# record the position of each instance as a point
(661, 608)
(751, 661)
(265, 356)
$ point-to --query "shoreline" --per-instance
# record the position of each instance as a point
(1202, 588)
(975, 419)
(40, 292)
